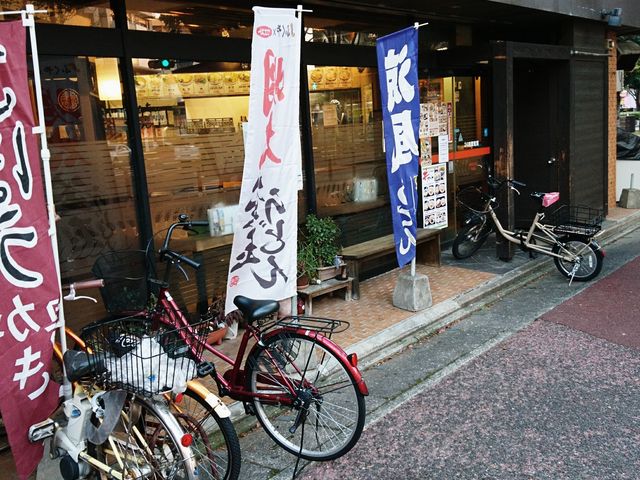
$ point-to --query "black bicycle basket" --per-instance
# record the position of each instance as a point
(576, 220)
(142, 359)
(125, 274)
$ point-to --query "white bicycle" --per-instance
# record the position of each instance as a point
(123, 421)
(568, 234)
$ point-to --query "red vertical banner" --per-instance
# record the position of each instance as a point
(28, 276)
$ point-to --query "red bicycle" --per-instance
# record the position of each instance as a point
(294, 379)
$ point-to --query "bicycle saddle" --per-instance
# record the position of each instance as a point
(546, 198)
(252, 309)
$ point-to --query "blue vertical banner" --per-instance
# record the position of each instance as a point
(398, 73)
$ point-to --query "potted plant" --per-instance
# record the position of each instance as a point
(321, 236)
(307, 265)
(220, 322)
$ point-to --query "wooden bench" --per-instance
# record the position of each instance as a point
(427, 253)
(325, 287)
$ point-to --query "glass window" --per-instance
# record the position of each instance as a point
(350, 166)
(70, 12)
(191, 118)
(324, 30)
(90, 163)
(170, 16)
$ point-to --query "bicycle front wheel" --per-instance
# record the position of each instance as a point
(215, 447)
(323, 417)
(583, 262)
(470, 239)
(146, 443)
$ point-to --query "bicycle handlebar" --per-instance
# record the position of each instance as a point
(83, 285)
(497, 184)
(186, 224)
(181, 258)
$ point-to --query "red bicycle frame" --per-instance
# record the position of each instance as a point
(232, 381)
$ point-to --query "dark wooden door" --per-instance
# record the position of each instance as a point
(540, 90)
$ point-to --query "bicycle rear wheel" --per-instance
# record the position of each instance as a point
(470, 239)
(324, 416)
(215, 446)
(586, 264)
(146, 443)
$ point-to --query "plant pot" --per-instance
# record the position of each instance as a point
(327, 273)
(215, 337)
(302, 281)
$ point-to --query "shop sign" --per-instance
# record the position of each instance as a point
(28, 278)
(398, 72)
(263, 255)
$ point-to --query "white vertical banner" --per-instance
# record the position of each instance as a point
(263, 255)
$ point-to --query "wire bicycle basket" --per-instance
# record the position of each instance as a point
(141, 359)
(125, 274)
(578, 220)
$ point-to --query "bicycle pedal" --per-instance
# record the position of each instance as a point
(42, 430)
(249, 409)
(206, 368)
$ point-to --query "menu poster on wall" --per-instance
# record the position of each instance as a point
(434, 196)
(425, 151)
(443, 148)
(434, 119)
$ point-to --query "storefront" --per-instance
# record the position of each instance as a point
(145, 103)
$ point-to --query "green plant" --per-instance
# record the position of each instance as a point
(307, 261)
(321, 234)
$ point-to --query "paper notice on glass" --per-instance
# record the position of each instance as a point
(424, 121)
(425, 151)
(443, 148)
(434, 196)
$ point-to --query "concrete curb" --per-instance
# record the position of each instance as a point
(425, 323)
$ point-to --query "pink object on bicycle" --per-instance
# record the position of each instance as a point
(550, 198)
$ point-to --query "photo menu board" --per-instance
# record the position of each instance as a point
(434, 196)
(192, 84)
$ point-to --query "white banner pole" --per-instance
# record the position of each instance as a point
(29, 21)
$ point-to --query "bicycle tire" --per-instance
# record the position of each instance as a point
(146, 443)
(215, 446)
(469, 240)
(590, 259)
(335, 410)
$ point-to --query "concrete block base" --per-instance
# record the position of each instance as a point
(630, 198)
(412, 293)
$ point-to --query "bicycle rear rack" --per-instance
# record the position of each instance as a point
(325, 326)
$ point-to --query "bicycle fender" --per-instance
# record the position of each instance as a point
(331, 346)
(214, 402)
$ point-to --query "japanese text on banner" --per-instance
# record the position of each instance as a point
(398, 70)
(28, 278)
(263, 255)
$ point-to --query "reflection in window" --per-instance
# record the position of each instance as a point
(75, 13)
(187, 18)
(191, 119)
(90, 162)
(350, 166)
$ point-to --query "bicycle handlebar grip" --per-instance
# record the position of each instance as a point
(199, 223)
(181, 258)
(86, 284)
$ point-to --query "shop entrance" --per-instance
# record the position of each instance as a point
(531, 125)
(540, 130)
